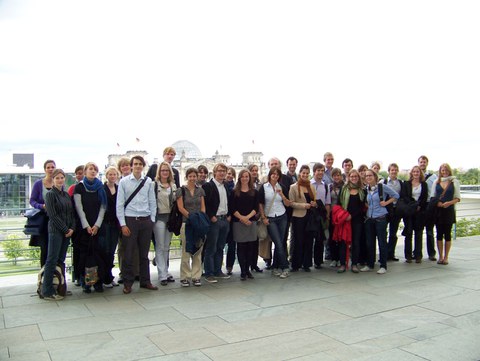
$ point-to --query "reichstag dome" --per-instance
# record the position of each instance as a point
(190, 149)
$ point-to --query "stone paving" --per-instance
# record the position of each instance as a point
(414, 312)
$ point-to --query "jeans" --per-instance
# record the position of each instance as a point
(162, 248)
(214, 245)
(276, 230)
(376, 228)
(57, 251)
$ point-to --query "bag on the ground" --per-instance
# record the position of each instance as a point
(91, 275)
(59, 283)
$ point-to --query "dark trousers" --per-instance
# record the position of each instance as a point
(303, 245)
(333, 245)
(245, 250)
(318, 247)
(393, 224)
(358, 237)
(430, 239)
(231, 247)
(413, 224)
(140, 236)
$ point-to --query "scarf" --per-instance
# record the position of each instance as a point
(96, 186)
(345, 195)
(308, 185)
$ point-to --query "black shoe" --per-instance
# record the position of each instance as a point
(170, 279)
(87, 289)
(257, 269)
(243, 277)
(395, 259)
(164, 282)
(317, 266)
(137, 278)
(120, 280)
(249, 275)
(307, 269)
(432, 258)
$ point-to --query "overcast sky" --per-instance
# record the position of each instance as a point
(369, 80)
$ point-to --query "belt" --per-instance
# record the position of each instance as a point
(139, 218)
(377, 218)
(224, 216)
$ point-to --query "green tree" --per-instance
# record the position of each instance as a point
(14, 248)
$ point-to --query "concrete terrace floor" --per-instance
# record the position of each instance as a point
(414, 312)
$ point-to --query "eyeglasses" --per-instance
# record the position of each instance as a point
(368, 175)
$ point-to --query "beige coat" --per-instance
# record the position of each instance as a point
(298, 202)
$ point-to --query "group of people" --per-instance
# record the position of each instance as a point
(329, 214)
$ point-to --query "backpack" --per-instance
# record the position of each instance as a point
(59, 283)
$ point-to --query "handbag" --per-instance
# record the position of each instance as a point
(175, 218)
(36, 220)
(406, 207)
(262, 230)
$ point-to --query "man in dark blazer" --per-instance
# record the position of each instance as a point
(216, 203)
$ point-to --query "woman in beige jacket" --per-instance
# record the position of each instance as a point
(302, 198)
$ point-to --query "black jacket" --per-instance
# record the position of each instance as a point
(212, 198)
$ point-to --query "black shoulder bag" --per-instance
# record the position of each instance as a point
(135, 192)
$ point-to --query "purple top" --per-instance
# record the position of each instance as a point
(36, 198)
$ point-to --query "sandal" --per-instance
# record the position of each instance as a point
(440, 261)
(445, 262)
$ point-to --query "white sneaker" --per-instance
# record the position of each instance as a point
(333, 264)
(276, 272)
(365, 269)
(108, 285)
(114, 284)
(381, 271)
(284, 274)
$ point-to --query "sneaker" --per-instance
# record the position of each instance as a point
(185, 283)
(333, 264)
(114, 284)
(54, 297)
(355, 269)
(341, 269)
(222, 275)
(197, 282)
(211, 279)
(284, 274)
(365, 269)
(108, 285)
(381, 271)
(276, 272)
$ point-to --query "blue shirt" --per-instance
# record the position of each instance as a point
(142, 205)
(375, 210)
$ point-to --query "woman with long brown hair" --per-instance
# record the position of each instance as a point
(244, 206)
(302, 197)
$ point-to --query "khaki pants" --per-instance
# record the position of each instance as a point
(187, 271)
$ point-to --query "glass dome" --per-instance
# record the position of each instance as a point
(191, 150)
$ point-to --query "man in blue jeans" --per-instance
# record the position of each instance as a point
(216, 203)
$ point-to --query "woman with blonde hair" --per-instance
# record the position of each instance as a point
(165, 190)
(415, 189)
(447, 193)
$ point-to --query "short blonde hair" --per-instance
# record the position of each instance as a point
(112, 169)
(169, 150)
